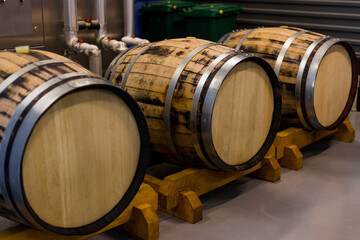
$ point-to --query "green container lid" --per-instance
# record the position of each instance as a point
(211, 10)
(166, 6)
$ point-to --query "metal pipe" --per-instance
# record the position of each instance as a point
(72, 40)
(101, 34)
(70, 22)
(129, 26)
(95, 63)
(101, 6)
(129, 17)
(132, 40)
(88, 24)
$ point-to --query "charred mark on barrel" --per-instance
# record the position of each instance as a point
(184, 75)
(8, 94)
(269, 56)
(254, 50)
(290, 87)
(306, 41)
(180, 53)
(39, 55)
(32, 73)
(180, 88)
(153, 117)
(160, 51)
(37, 72)
(124, 66)
(22, 96)
(274, 52)
(272, 41)
(291, 60)
(47, 71)
(180, 117)
(152, 100)
(118, 79)
(65, 65)
(5, 114)
(20, 82)
(62, 68)
(4, 75)
(287, 73)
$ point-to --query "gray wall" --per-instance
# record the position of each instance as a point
(334, 18)
(47, 19)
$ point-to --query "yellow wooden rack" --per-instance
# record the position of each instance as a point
(289, 142)
(138, 220)
(179, 193)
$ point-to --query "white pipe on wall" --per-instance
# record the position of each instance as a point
(70, 22)
(129, 19)
(101, 34)
(72, 40)
(132, 40)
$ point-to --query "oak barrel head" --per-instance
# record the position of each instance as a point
(243, 113)
(332, 85)
(81, 158)
(75, 148)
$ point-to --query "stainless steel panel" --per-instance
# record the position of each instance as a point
(49, 35)
(21, 24)
(54, 26)
(18, 17)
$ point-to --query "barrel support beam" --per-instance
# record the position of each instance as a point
(179, 193)
(289, 142)
(138, 219)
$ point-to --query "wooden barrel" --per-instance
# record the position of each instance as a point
(204, 103)
(74, 148)
(318, 74)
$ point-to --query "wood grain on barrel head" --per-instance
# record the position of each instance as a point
(242, 113)
(81, 158)
(332, 85)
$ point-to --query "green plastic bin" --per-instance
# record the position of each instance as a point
(164, 19)
(210, 21)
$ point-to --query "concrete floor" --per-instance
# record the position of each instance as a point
(320, 201)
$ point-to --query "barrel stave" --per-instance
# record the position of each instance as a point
(150, 76)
